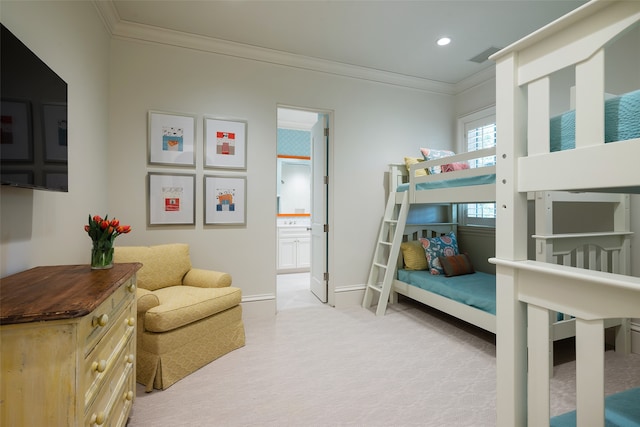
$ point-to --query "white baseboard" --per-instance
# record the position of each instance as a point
(635, 338)
(348, 296)
(258, 306)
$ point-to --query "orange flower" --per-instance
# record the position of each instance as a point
(105, 231)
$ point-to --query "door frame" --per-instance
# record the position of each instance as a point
(330, 191)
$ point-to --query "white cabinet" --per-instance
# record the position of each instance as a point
(294, 249)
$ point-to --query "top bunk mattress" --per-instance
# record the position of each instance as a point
(476, 290)
(622, 122)
(451, 183)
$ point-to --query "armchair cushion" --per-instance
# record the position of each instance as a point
(206, 278)
(146, 300)
(182, 305)
(162, 265)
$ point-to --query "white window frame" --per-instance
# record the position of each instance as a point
(474, 120)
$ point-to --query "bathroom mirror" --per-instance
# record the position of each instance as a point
(294, 186)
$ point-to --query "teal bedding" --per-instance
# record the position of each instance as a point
(477, 290)
(621, 410)
(622, 122)
(449, 183)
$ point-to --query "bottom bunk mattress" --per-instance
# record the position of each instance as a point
(476, 290)
(621, 410)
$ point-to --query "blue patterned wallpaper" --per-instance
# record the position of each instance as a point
(294, 142)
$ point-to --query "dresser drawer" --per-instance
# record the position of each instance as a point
(107, 355)
(94, 326)
(115, 397)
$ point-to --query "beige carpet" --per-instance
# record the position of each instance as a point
(313, 365)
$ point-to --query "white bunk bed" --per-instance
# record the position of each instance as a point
(600, 251)
(528, 291)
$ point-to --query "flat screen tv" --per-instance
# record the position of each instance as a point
(33, 119)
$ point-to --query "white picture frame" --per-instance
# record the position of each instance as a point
(171, 139)
(171, 199)
(225, 200)
(225, 144)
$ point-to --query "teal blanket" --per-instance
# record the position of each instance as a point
(449, 183)
(621, 410)
(477, 290)
(621, 122)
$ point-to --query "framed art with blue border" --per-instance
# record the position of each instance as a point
(172, 139)
(225, 200)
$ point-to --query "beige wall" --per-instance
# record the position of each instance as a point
(46, 228)
(374, 124)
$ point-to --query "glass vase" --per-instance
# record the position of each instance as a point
(101, 255)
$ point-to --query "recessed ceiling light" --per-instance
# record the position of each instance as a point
(443, 41)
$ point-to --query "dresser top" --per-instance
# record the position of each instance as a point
(58, 292)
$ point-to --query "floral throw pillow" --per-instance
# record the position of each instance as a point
(441, 246)
(451, 167)
(431, 154)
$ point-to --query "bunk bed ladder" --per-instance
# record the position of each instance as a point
(385, 258)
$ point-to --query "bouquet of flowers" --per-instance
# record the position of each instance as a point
(103, 233)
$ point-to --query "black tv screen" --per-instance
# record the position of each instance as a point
(33, 119)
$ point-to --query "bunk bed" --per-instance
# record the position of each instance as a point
(528, 291)
(472, 298)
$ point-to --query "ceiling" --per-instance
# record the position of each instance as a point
(396, 37)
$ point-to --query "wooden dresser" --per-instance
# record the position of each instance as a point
(68, 347)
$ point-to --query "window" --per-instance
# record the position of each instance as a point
(478, 131)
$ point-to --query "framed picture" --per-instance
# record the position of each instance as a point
(171, 199)
(172, 139)
(225, 200)
(54, 119)
(16, 138)
(225, 143)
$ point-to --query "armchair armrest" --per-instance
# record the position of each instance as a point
(146, 300)
(206, 278)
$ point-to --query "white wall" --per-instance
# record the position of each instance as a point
(374, 124)
(46, 228)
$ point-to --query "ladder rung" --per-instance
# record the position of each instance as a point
(376, 287)
(384, 242)
(391, 221)
(380, 265)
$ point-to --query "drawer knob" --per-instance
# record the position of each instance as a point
(128, 395)
(129, 358)
(131, 321)
(99, 366)
(100, 320)
(97, 418)
(132, 287)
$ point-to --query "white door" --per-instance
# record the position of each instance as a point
(319, 202)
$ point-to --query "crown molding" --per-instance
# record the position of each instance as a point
(146, 33)
(476, 79)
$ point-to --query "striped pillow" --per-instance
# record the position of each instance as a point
(456, 265)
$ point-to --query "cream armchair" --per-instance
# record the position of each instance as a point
(186, 318)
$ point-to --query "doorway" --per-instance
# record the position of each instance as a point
(302, 205)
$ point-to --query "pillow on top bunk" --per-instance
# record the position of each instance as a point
(408, 161)
(456, 265)
(457, 166)
(435, 247)
(431, 154)
(413, 255)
